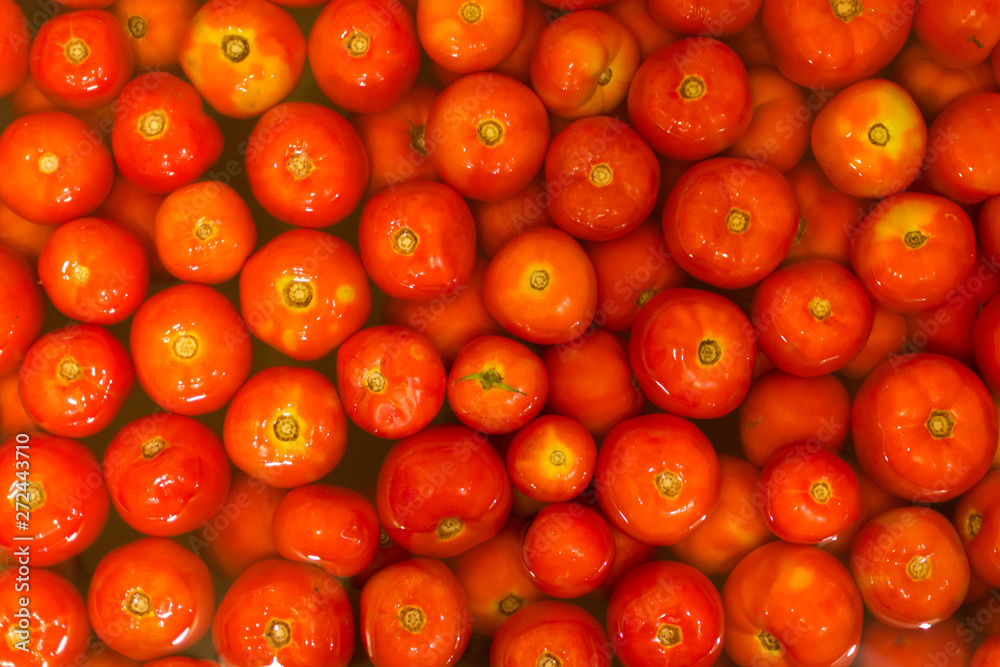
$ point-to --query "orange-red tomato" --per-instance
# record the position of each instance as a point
(887, 338)
(135, 210)
(25, 238)
(630, 553)
(14, 49)
(553, 633)
(932, 85)
(467, 36)
(635, 15)
(14, 418)
(988, 652)
(22, 309)
(750, 44)
(517, 64)
(958, 33)
(962, 171)
(986, 342)
(552, 459)
(568, 549)
(719, 18)
(945, 643)
(499, 221)
(56, 631)
(976, 520)
(154, 30)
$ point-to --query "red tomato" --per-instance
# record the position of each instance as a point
(657, 477)
(154, 30)
(55, 632)
(59, 482)
(306, 164)
(517, 64)
(22, 310)
(962, 170)
(986, 343)
(791, 605)
(584, 63)
(282, 613)
(692, 353)
(958, 33)
(630, 553)
(635, 15)
(932, 85)
(55, 169)
(977, 520)
(14, 53)
(924, 427)
(178, 661)
(910, 567)
(500, 221)
(668, 614)
(94, 270)
(192, 351)
(988, 652)
(691, 100)
(442, 491)
(467, 36)
(944, 643)
(750, 44)
(135, 210)
(14, 418)
(715, 17)
(286, 426)
(551, 459)
(363, 63)
(81, 59)
(166, 474)
(150, 598)
(243, 56)
(304, 292)
(568, 550)
(550, 633)
(886, 339)
(414, 613)
(25, 238)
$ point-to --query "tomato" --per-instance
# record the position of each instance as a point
(550, 633)
(154, 31)
(59, 482)
(693, 353)
(243, 56)
(961, 170)
(913, 250)
(716, 17)
(924, 427)
(975, 520)
(791, 605)
(55, 169)
(191, 349)
(691, 100)
(417, 240)
(469, 36)
(492, 149)
(666, 613)
(14, 54)
(99, 655)
(22, 308)
(204, 233)
(958, 33)
(135, 210)
(414, 613)
(162, 137)
(835, 44)
(178, 661)
(283, 613)
(306, 164)
(783, 409)
(811, 317)
(568, 549)
(150, 598)
(988, 652)
(886, 339)
(23, 237)
(910, 567)
(517, 64)
(81, 59)
(442, 491)
(932, 85)
(304, 292)
(54, 633)
(94, 270)
(885, 646)
(166, 474)
(500, 221)
(657, 477)
(584, 63)
(363, 63)
(636, 17)
(75, 380)
(14, 418)
(551, 459)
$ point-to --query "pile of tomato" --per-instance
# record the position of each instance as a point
(494, 332)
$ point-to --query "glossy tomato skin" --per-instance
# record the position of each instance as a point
(666, 613)
(154, 31)
(81, 59)
(22, 308)
(792, 605)
(691, 100)
(166, 474)
(75, 380)
(283, 613)
(417, 240)
(135, 584)
(359, 66)
(14, 55)
(286, 426)
(62, 524)
(657, 477)
(910, 567)
(692, 353)
(886, 646)
(957, 33)
(568, 549)
(15, 418)
(932, 85)
(924, 427)
(962, 172)
(554, 631)
(94, 270)
(465, 37)
(58, 631)
(243, 56)
(976, 520)
(467, 504)
(49, 177)
(551, 459)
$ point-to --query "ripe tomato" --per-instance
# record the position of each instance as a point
(716, 17)
(500, 221)
(22, 310)
(932, 85)
(988, 652)
(14, 418)
(55, 169)
(693, 353)
(191, 349)
(962, 170)
(154, 30)
(81, 59)
(958, 33)
(166, 474)
(25, 238)
(886, 339)
(442, 491)
(666, 613)
(975, 520)
(179, 661)
(550, 633)
(94, 270)
(304, 292)
(568, 549)
(492, 149)
(243, 56)
(364, 53)
(789, 605)
(14, 53)
(551, 459)
(55, 632)
(691, 100)
(75, 380)
(135, 210)
(584, 63)
(924, 427)
(657, 477)
(885, 646)
(414, 613)
(910, 567)
(469, 36)
(150, 598)
(517, 64)
(283, 613)
(986, 343)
